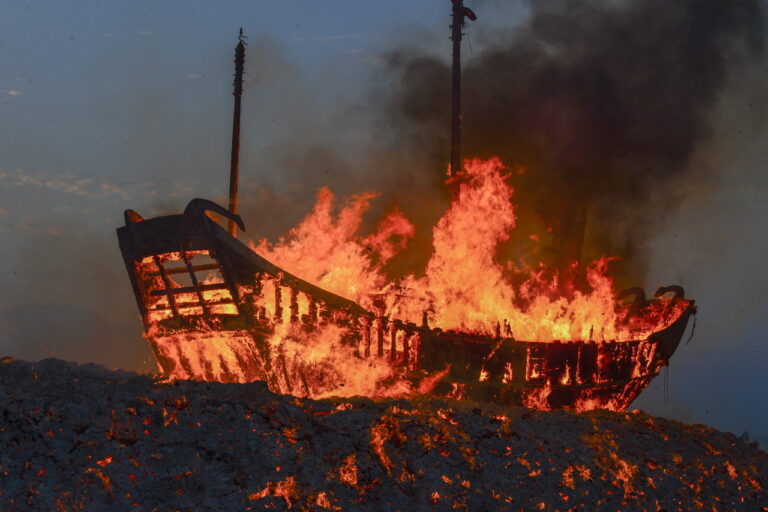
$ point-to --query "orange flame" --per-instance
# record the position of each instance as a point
(463, 287)
(268, 328)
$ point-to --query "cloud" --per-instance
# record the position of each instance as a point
(11, 92)
(332, 37)
(25, 225)
(338, 37)
(94, 188)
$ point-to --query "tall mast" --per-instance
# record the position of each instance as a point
(235, 157)
(457, 24)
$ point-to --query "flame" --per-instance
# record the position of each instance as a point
(266, 327)
(324, 249)
(463, 287)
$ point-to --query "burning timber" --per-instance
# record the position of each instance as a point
(212, 308)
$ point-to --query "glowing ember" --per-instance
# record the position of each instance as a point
(241, 447)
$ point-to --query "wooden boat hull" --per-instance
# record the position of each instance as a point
(220, 322)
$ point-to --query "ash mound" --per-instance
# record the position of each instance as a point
(82, 437)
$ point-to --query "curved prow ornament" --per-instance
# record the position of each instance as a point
(198, 206)
(676, 290)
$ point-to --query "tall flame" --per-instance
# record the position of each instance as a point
(324, 249)
(463, 286)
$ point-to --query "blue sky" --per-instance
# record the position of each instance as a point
(112, 105)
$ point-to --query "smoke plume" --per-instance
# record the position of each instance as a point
(599, 105)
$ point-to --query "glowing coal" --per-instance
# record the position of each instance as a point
(86, 438)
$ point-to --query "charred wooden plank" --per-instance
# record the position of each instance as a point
(393, 341)
(380, 326)
(167, 282)
(187, 268)
(196, 284)
(294, 305)
(278, 304)
(188, 289)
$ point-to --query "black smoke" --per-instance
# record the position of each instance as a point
(604, 103)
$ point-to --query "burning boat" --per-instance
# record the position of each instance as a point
(214, 309)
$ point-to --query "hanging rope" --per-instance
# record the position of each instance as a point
(692, 330)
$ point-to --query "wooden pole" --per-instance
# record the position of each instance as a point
(456, 33)
(457, 25)
(235, 157)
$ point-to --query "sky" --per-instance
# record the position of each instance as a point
(106, 106)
